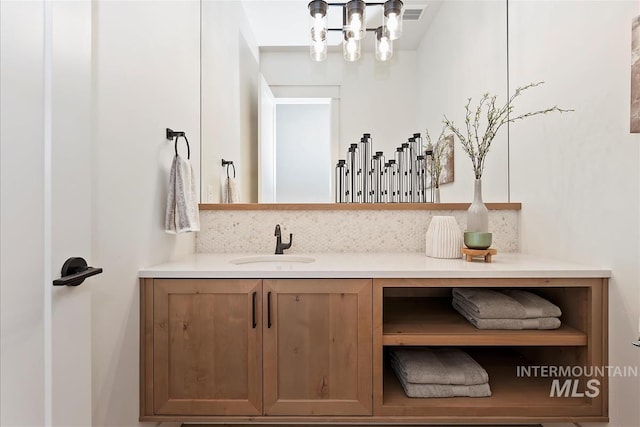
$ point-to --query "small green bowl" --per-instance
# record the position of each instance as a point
(477, 239)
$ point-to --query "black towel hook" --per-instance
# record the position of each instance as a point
(177, 134)
(228, 163)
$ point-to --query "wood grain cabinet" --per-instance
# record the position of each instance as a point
(208, 345)
(300, 351)
(317, 347)
(205, 347)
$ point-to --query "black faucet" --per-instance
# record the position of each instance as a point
(279, 245)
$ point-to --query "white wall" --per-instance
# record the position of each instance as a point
(146, 78)
(266, 147)
(378, 98)
(463, 55)
(230, 88)
(22, 269)
(577, 174)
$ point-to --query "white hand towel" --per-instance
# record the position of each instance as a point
(230, 193)
(182, 201)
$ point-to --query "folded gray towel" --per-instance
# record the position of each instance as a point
(422, 365)
(446, 390)
(517, 324)
(441, 390)
(507, 304)
(534, 305)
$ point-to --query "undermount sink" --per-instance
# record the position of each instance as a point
(272, 259)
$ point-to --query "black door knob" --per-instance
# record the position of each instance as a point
(74, 271)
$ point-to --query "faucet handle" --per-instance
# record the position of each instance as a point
(277, 232)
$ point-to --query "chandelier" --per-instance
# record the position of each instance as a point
(354, 28)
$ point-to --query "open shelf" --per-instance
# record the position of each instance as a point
(433, 321)
(418, 312)
(510, 393)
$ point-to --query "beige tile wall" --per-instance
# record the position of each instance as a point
(337, 231)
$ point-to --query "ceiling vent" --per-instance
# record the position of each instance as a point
(412, 14)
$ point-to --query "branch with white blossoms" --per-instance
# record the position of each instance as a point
(438, 153)
(475, 143)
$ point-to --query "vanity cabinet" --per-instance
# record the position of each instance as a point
(299, 351)
(218, 347)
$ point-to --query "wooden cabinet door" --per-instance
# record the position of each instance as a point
(317, 347)
(207, 347)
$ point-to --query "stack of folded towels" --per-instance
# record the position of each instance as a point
(442, 372)
(505, 309)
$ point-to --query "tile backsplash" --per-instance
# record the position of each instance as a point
(252, 231)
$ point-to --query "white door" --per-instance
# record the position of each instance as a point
(303, 150)
(45, 216)
(266, 144)
(71, 188)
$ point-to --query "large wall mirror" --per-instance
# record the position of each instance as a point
(285, 120)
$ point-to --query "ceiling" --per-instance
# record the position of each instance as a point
(285, 24)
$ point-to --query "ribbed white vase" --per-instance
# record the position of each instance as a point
(444, 238)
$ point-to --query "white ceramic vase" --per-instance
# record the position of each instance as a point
(477, 214)
(444, 238)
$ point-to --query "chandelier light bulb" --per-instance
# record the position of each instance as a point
(384, 45)
(393, 18)
(356, 24)
(351, 47)
(319, 50)
(385, 49)
(392, 23)
(318, 13)
(319, 29)
(354, 12)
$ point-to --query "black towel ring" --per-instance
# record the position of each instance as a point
(228, 163)
(177, 134)
(188, 148)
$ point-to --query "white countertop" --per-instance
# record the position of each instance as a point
(371, 265)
